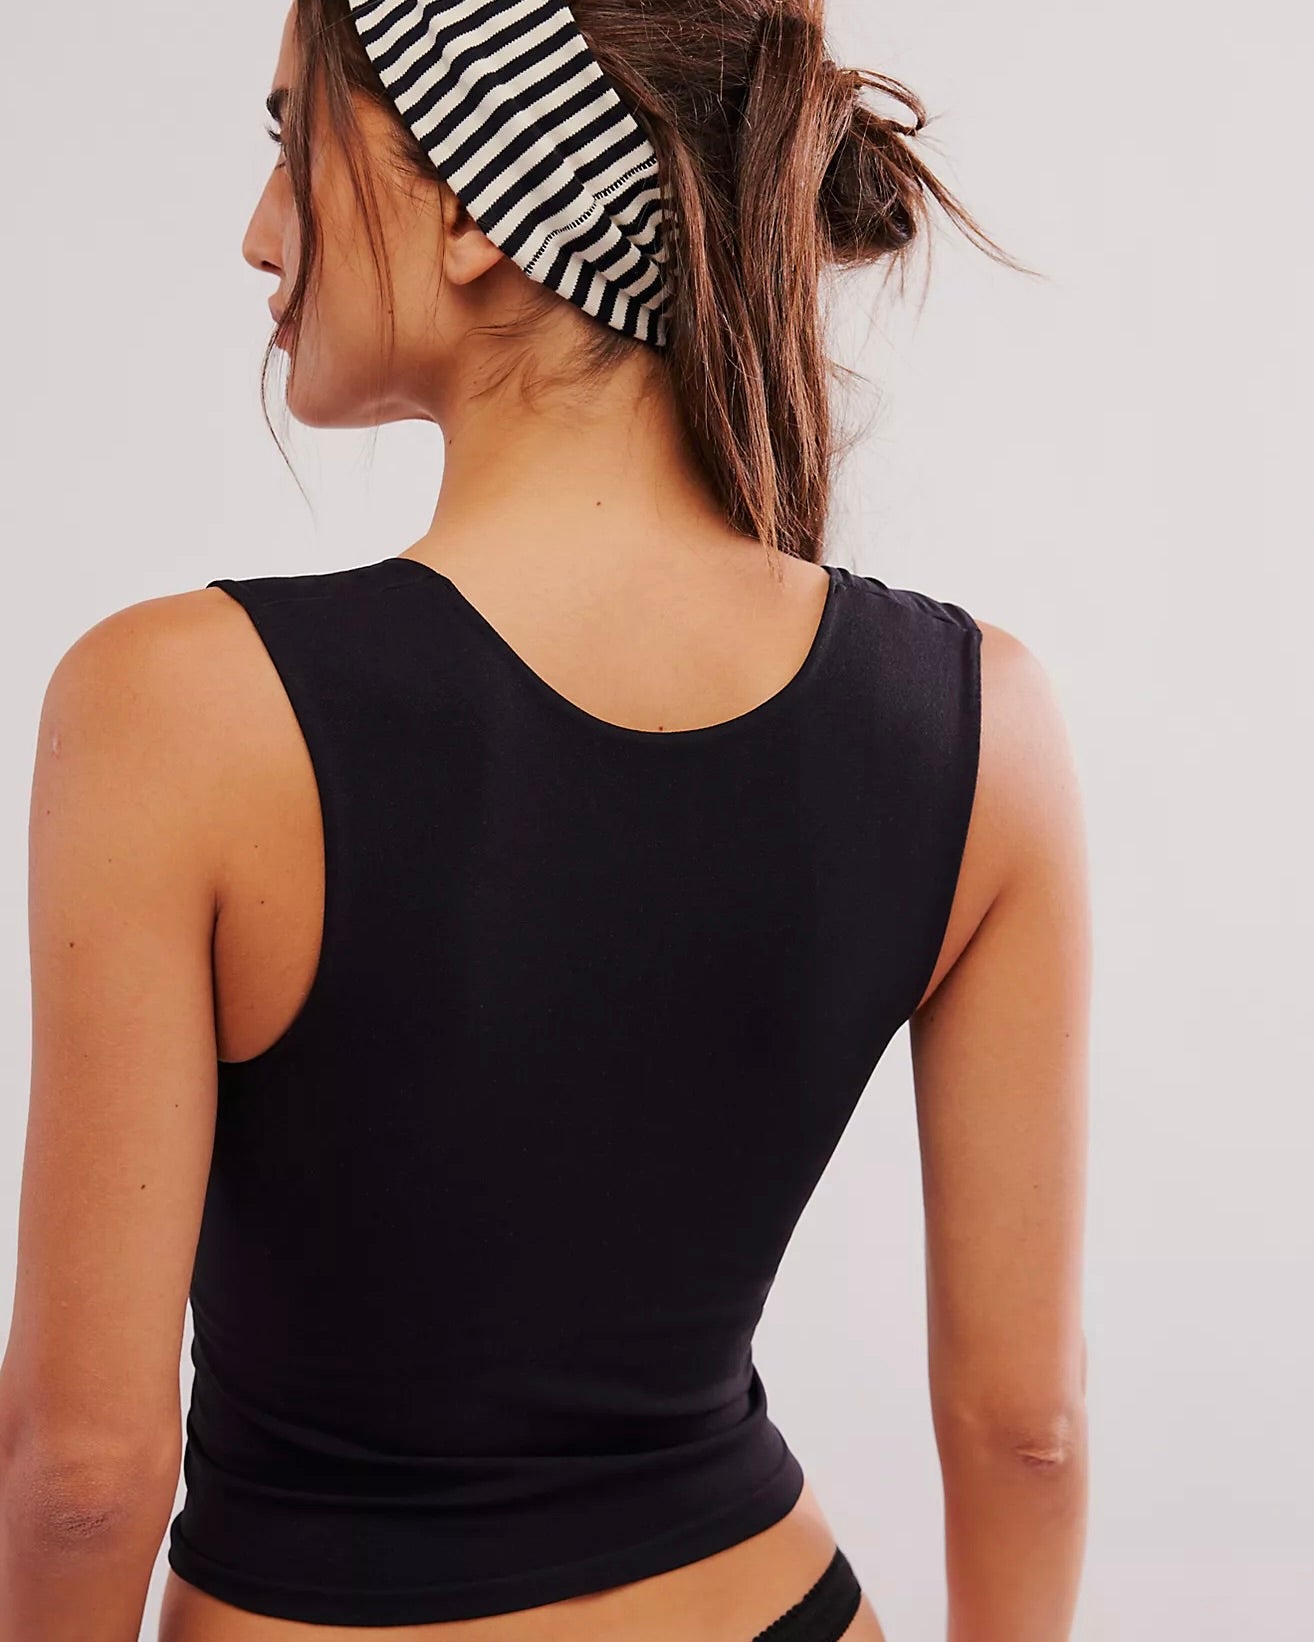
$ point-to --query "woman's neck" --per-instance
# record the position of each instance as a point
(604, 468)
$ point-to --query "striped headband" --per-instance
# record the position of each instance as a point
(514, 110)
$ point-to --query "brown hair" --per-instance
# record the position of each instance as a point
(773, 169)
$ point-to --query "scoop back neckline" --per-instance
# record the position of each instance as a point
(764, 710)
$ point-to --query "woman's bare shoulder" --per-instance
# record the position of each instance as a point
(1028, 799)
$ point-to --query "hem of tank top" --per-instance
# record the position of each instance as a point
(630, 1562)
(798, 680)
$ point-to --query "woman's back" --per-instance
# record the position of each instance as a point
(473, 957)
(492, 1219)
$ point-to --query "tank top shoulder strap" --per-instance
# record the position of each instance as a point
(915, 629)
(916, 660)
(357, 654)
(337, 652)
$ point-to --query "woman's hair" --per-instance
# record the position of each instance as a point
(773, 169)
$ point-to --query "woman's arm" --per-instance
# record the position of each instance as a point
(1000, 1063)
(120, 1121)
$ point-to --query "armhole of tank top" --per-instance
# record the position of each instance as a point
(962, 803)
(300, 699)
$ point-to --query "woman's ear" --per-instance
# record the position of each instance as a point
(467, 250)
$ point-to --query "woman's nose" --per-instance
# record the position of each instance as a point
(262, 244)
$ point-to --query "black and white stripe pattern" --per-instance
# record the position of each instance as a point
(514, 110)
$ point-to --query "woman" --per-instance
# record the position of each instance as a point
(455, 972)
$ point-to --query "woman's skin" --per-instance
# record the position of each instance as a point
(176, 896)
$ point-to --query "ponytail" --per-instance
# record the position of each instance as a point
(775, 169)
(796, 117)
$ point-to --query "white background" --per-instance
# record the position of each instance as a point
(1112, 463)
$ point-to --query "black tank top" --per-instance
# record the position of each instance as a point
(490, 1227)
